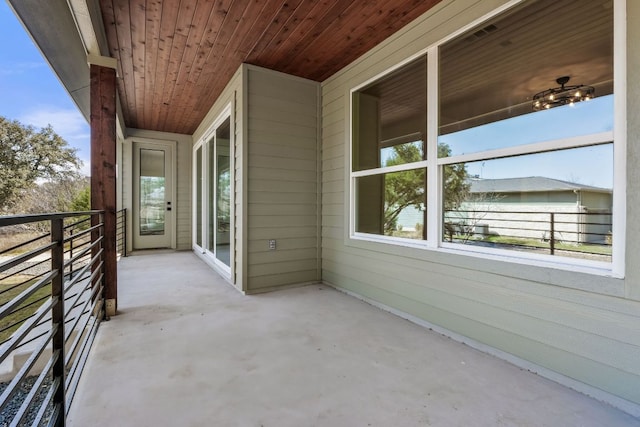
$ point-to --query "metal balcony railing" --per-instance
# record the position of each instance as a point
(577, 234)
(51, 304)
(121, 232)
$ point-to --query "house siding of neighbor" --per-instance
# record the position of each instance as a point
(530, 207)
(569, 325)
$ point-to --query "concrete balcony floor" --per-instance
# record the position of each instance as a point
(188, 350)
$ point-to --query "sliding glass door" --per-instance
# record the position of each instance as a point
(213, 198)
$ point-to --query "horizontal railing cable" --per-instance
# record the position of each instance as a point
(51, 305)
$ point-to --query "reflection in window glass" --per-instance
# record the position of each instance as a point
(152, 198)
(392, 204)
(489, 76)
(581, 119)
(223, 193)
(389, 113)
(211, 180)
(547, 203)
(400, 154)
(199, 179)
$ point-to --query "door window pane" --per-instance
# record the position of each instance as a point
(199, 179)
(223, 193)
(152, 192)
(211, 194)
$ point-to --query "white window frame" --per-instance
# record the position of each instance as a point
(434, 165)
(205, 145)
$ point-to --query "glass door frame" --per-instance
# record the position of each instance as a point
(206, 144)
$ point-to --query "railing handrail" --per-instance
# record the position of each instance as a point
(547, 211)
(8, 220)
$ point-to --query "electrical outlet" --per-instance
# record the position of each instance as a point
(272, 245)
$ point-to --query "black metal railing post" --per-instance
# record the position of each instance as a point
(124, 232)
(57, 319)
(552, 238)
(71, 233)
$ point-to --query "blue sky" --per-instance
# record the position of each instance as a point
(31, 93)
(587, 165)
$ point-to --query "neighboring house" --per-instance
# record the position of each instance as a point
(530, 207)
(295, 140)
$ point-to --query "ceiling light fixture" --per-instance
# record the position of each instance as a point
(562, 95)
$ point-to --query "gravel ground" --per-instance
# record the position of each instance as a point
(10, 410)
(37, 267)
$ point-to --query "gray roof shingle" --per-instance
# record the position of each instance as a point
(529, 184)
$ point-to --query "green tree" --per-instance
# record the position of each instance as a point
(82, 201)
(27, 155)
(407, 188)
(456, 181)
(56, 195)
(402, 189)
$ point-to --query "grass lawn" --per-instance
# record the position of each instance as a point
(23, 314)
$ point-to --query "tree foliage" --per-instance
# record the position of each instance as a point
(456, 181)
(82, 200)
(402, 189)
(407, 188)
(60, 195)
(28, 155)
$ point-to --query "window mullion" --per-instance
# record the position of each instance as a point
(434, 198)
(533, 148)
(390, 169)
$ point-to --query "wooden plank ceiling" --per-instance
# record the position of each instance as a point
(176, 56)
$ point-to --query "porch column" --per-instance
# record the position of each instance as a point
(103, 170)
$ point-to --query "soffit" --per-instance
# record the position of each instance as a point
(176, 56)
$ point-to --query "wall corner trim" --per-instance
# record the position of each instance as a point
(103, 61)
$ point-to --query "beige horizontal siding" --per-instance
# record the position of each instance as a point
(282, 187)
(184, 194)
(576, 324)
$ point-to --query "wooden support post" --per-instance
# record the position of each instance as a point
(103, 170)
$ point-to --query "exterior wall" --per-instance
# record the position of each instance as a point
(585, 327)
(232, 94)
(596, 201)
(182, 206)
(282, 155)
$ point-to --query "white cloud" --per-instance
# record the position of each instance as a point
(65, 122)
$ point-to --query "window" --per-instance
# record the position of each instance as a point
(389, 153)
(501, 170)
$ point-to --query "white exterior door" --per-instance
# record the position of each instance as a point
(153, 203)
